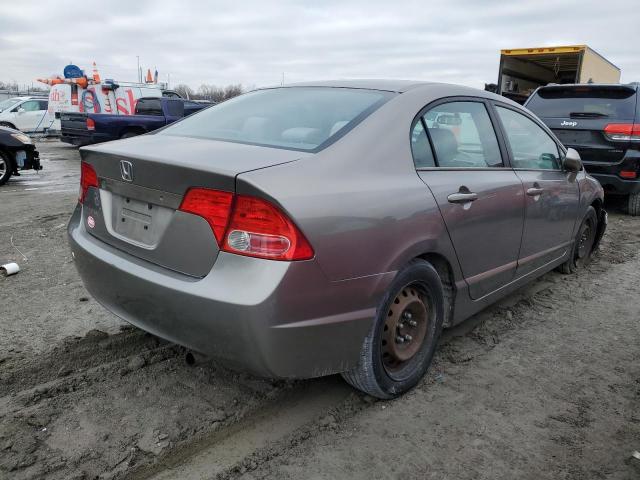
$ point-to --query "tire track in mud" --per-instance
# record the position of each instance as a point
(127, 405)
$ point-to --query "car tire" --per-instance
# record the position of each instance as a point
(6, 167)
(633, 207)
(583, 245)
(387, 367)
(129, 134)
(8, 125)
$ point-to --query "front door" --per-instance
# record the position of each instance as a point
(30, 116)
(551, 194)
(481, 201)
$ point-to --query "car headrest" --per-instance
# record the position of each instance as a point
(445, 144)
(255, 128)
(302, 135)
(337, 126)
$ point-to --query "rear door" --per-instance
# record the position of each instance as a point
(551, 194)
(480, 199)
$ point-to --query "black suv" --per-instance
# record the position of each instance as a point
(599, 121)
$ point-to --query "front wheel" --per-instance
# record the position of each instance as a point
(583, 244)
(398, 350)
(6, 168)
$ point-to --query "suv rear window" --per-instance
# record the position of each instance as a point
(584, 102)
(299, 118)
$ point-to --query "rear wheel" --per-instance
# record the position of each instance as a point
(6, 168)
(399, 348)
(583, 244)
(634, 204)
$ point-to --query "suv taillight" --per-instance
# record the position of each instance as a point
(623, 132)
(88, 178)
(91, 124)
(247, 225)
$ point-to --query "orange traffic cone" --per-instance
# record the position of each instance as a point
(96, 75)
(149, 77)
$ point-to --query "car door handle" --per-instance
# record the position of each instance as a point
(462, 197)
(534, 192)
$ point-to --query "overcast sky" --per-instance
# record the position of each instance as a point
(253, 42)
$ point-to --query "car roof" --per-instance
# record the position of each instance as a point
(369, 84)
(627, 86)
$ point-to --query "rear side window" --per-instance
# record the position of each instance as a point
(149, 106)
(531, 147)
(422, 154)
(584, 102)
(462, 135)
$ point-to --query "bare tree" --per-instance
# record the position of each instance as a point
(217, 94)
(185, 91)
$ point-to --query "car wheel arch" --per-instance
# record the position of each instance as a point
(447, 277)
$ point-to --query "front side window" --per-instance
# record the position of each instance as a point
(463, 136)
(300, 118)
(30, 106)
(531, 146)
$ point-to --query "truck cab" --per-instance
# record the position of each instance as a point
(151, 113)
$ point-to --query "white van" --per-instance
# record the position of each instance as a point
(29, 114)
(109, 98)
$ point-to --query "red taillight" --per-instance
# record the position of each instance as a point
(91, 124)
(259, 229)
(248, 225)
(212, 205)
(628, 174)
(623, 132)
(88, 178)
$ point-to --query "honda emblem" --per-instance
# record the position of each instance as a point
(126, 170)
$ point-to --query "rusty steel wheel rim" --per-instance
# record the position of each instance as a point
(405, 328)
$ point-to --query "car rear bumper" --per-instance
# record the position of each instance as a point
(615, 184)
(608, 174)
(276, 319)
(84, 139)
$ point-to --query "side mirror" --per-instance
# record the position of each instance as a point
(21, 110)
(572, 161)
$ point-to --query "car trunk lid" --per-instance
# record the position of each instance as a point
(141, 185)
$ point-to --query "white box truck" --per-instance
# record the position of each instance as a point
(522, 70)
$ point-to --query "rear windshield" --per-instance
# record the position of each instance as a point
(300, 118)
(584, 102)
(149, 106)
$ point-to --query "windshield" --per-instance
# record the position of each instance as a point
(300, 118)
(584, 102)
(5, 104)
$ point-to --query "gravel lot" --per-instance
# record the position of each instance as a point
(545, 384)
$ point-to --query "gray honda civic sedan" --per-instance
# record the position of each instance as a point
(331, 227)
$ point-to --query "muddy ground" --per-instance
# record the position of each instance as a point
(544, 385)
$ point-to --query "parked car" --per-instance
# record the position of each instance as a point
(601, 122)
(151, 113)
(17, 153)
(330, 227)
(28, 114)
